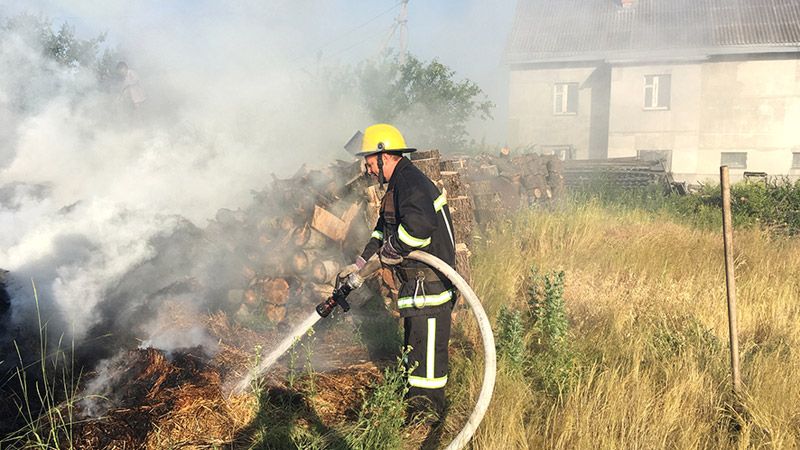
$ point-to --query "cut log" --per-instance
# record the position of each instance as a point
(489, 171)
(453, 184)
(464, 269)
(301, 235)
(309, 238)
(462, 262)
(324, 271)
(301, 261)
(430, 167)
(488, 207)
(275, 313)
(316, 240)
(453, 165)
(428, 163)
(287, 223)
(463, 215)
(275, 291)
(251, 297)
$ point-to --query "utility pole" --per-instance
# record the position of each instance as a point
(402, 22)
(727, 230)
(399, 26)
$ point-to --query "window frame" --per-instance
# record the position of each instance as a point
(565, 86)
(736, 167)
(795, 160)
(656, 80)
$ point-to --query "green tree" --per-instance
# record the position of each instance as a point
(424, 99)
(63, 46)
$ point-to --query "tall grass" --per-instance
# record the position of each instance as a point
(647, 333)
(47, 394)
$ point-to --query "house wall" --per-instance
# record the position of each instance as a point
(633, 128)
(531, 117)
(750, 106)
(716, 106)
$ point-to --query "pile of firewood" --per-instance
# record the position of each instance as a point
(503, 183)
(301, 230)
(480, 189)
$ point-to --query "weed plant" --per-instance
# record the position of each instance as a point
(381, 420)
(308, 351)
(256, 382)
(511, 339)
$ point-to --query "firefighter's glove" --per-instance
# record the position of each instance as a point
(352, 268)
(389, 254)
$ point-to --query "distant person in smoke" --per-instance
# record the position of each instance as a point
(414, 216)
(131, 92)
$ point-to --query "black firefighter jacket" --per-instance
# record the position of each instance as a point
(421, 221)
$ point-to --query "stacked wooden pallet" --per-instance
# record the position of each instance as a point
(626, 173)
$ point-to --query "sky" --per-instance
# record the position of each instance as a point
(467, 35)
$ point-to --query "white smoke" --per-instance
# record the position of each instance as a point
(86, 183)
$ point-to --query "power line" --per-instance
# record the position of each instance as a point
(349, 32)
(401, 24)
(365, 23)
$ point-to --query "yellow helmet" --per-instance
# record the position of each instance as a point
(381, 138)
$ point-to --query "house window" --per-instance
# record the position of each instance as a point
(796, 160)
(734, 160)
(565, 98)
(657, 90)
(665, 156)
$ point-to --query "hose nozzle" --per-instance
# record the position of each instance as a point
(344, 286)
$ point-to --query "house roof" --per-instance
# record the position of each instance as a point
(593, 30)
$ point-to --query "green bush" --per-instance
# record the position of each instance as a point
(773, 204)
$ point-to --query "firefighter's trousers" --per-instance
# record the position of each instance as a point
(428, 337)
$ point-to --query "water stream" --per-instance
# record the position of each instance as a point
(283, 347)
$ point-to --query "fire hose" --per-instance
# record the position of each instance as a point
(490, 360)
(354, 281)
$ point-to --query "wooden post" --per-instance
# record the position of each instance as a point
(727, 228)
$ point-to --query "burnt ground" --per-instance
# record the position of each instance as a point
(184, 399)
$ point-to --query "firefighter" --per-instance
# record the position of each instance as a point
(414, 216)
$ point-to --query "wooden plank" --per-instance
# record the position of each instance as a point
(328, 224)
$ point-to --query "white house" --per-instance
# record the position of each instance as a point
(697, 83)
